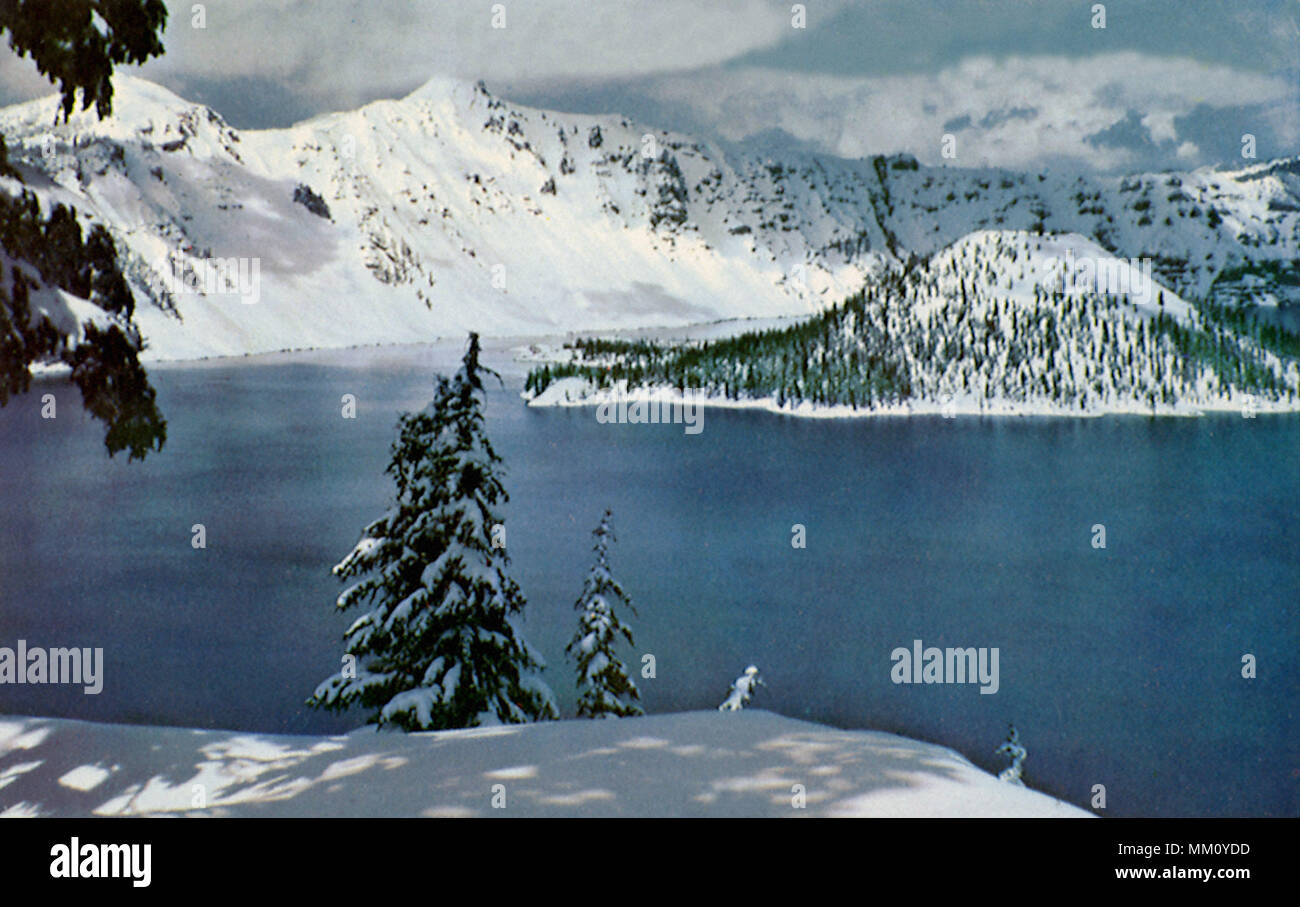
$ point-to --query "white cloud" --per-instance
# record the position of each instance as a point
(338, 52)
(671, 62)
(1012, 112)
(1161, 125)
(19, 80)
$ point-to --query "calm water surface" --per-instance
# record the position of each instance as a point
(1120, 666)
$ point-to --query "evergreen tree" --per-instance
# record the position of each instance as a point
(742, 690)
(78, 42)
(1012, 749)
(439, 645)
(604, 688)
(103, 356)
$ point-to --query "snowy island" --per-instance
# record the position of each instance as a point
(999, 323)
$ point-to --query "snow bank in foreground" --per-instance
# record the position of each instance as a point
(687, 764)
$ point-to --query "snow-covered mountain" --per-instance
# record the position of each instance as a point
(452, 209)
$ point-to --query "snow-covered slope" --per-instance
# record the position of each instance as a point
(688, 764)
(998, 323)
(452, 209)
(443, 215)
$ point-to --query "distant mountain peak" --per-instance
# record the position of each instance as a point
(442, 88)
(455, 209)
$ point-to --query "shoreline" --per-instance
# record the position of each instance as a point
(559, 394)
(572, 392)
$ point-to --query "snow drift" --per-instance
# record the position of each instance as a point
(689, 764)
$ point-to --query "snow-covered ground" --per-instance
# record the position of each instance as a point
(749, 763)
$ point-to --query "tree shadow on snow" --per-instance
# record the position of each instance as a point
(693, 764)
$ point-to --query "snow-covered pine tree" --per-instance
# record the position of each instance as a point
(1016, 753)
(742, 690)
(438, 645)
(604, 688)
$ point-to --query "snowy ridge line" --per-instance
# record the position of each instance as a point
(748, 763)
(453, 210)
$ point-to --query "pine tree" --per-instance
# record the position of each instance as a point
(742, 690)
(103, 357)
(1012, 749)
(604, 688)
(439, 646)
(78, 42)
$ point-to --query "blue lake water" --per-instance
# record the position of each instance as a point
(1120, 666)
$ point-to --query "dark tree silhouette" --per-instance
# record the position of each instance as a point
(75, 43)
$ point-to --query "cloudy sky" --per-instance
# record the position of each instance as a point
(1020, 83)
